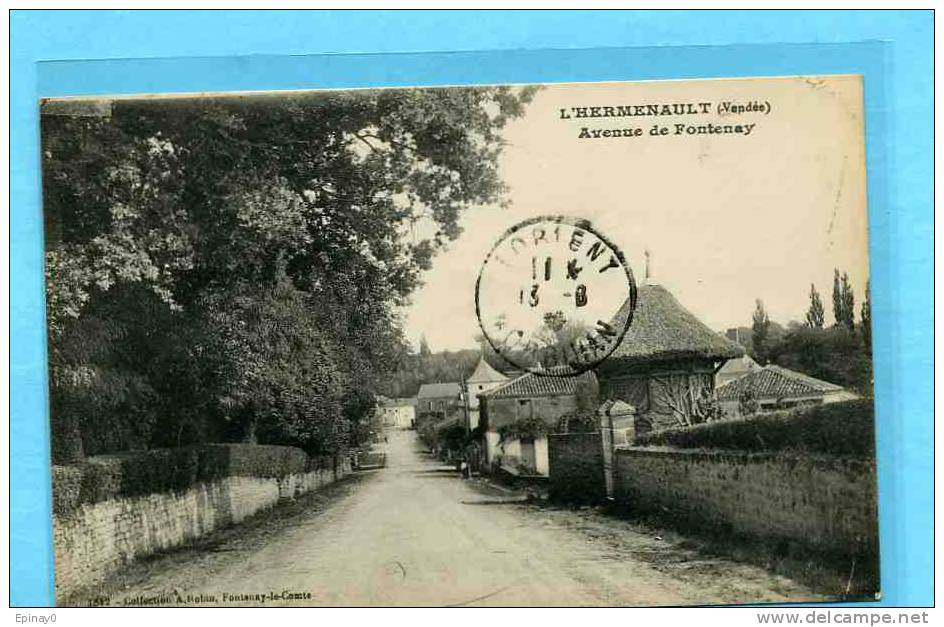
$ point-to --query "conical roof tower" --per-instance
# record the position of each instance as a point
(484, 373)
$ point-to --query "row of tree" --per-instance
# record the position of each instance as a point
(229, 268)
(425, 366)
(841, 353)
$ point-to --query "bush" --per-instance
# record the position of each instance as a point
(846, 429)
(578, 421)
(66, 489)
(98, 479)
(158, 470)
(426, 427)
(253, 460)
(525, 428)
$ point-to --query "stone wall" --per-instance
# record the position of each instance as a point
(576, 467)
(827, 502)
(95, 539)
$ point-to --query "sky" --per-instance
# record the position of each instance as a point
(728, 218)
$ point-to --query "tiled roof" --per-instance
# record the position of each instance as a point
(662, 329)
(438, 390)
(776, 382)
(531, 385)
(484, 373)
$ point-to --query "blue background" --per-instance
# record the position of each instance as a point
(128, 52)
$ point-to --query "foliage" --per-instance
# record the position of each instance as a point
(546, 347)
(815, 316)
(455, 438)
(555, 320)
(706, 407)
(230, 267)
(413, 370)
(524, 428)
(424, 347)
(426, 427)
(103, 396)
(97, 479)
(840, 354)
(843, 300)
(759, 328)
(846, 428)
(747, 403)
(578, 421)
(274, 370)
(833, 354)
(865, 319)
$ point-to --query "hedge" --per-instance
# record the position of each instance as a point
(105, 477)
(846, 429)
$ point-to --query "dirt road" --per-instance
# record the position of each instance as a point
(415, 534)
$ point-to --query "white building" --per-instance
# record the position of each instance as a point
(398, 413)
(482, 379)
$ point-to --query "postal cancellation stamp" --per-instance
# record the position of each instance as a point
(548, 294)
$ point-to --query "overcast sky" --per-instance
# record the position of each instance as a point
(728, 218)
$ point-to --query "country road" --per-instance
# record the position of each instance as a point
(414, 534)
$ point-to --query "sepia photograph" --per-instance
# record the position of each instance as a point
(576, 344)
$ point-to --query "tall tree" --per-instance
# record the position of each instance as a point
(759, 328)
(424, 347)
(815, 315)
(170, 220)
(838, 303)
(843, 300)
(865, 319)
(848, 303)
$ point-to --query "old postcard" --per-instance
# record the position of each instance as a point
(603, 344)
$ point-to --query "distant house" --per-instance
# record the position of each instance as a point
(735, 369)
(776, 387)
(482, 379)
(398, 413)
(665, 362)
(442, 401)
(530, 398)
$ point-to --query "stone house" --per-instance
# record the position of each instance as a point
(775, 387)
(535, 402)
(665, 363)
(441, 402)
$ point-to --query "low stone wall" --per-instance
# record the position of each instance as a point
(576, 467)
(93, 539)
(826, 502)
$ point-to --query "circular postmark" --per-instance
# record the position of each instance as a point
(549, 294)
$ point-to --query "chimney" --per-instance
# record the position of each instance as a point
(650, 275)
